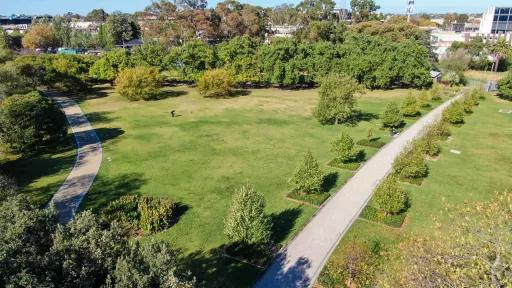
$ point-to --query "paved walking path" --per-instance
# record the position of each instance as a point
(301, 261)
(89, 154)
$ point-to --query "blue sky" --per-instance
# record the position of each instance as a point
(8, 7)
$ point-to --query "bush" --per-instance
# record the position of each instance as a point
(424, 98)
(30, 122)
(391, 118)
(435, 92)
(505, 86)
(246, 222)
(139, 83)
(343, 148)
(410, 106)
(390, 197)
(215, 83)
(467, 105)
(411, 165)
(140, 212)
(454, 114)
(440, 130)
(430, 146)
(308, 177)
(7, 187)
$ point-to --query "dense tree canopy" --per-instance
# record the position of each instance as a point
(39, 36)
(363, 10)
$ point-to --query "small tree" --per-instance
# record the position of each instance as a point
(140, 83)
(505, 86)
(454, 114)
(390, 197)
(29, 122)
(435, 92)
(308, 177)
(246, 222)
(411, 165)
(343, 148)
(215, 83)
(337, 102)
(424, 98)
(410, 106)
(7, 187)
(391, 118)
(39, 36)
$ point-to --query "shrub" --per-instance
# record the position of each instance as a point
(7, 187)
(308, 177)
(410, 106)
(246, 222)
(435, 92)
(30, 122)
(440, 130)
(411, 165)
(146, 213)
(215, 83)
(430, 146)
(391, 118)
(476, 94)
(505, 86)
(139, 83)
(337, 102)
(423, 99)
(343, 148)
(390, 197)
(467, 105)
(454, 114)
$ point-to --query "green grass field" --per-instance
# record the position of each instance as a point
(201, 157)
(482, 169)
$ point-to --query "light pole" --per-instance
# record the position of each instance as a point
(409, 9)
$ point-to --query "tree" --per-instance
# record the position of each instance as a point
(39, 36)
(151, 54)
(62, 31)
(121, 29)
(395, 29)
(97, 15)
(343, 148)
(454, 114)
(321, 31)
(238, 56)
(215, 83)
(392, 118)
(29, 122)
(246, 222)
(315, 10)
(362, 10)
(411, 164)
(390, 197)
(410, 106)
(465, 253)
(191, 60)
(505, 86)
(284, 14)
(454, 65)
(109, 65)
(337, 102)
(4, 39)
(308, 178)
(191, 4)
(139, 83)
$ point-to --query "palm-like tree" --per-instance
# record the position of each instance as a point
(501, 49)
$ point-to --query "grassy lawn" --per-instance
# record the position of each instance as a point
(482, 169)
(202, 156)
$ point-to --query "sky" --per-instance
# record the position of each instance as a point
(53, 7)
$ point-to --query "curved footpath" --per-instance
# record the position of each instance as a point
(88, 160)
(300, 262)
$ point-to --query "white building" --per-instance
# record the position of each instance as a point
(497, 20)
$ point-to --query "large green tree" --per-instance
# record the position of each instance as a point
(121, 28)
(505, 86)
(337, 102)
(363, 10)
(191, 60)
(238, 56)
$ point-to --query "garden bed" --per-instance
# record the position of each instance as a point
(315, 199)
(353, 166)
(371, 213)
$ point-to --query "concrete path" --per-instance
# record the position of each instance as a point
(301, 261)
(89, 155)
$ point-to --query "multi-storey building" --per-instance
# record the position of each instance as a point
(497, 20)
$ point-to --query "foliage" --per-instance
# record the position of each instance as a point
(8, 188)
(337, 102)
(308, 178)
(454, 114)
(322, 31)
(121, 29)
(246, 222)
(390, 197)
(454, 65)
(505, 86)
(392, 118)
(146, 213)
(363, 10)
(343, 148)
(39, 36)
(36, 252)
(440, 130)
(12, 81)
(410, 106)
(470, 255)
(139, 83)
(30, 122)
(191, 60)
(411, 165)
(96, 15)
(424, 98)
(215, 83)
(238, 56)
(356, 268)
(315, 10)
(109, 65)
(435, 92)
(150, 54)
(429, 145)
(394, 29)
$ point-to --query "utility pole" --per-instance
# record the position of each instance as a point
(409, 9)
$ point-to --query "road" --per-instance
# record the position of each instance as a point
(300, 262)
(88, 161)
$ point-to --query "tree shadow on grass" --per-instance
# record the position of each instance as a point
(283, 223)
(107, 134)
(361, 116)
(169, 94)
(95, 92)
(99, 117)
(179, 211)
(107, 189)
(330, 181)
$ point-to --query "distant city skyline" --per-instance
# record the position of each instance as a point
(53, 7)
